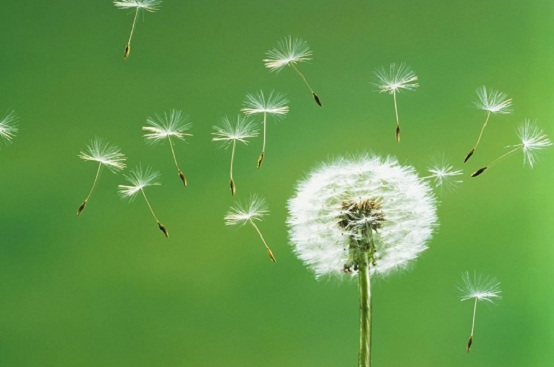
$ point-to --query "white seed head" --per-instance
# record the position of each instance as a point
(254, 210)
(242, 130)
(493, 101)
(8, 127)
(480, 287)
(148, 5)
(172, 124)
(321, 229)
(396, 78)
(288, 51)
(274, 104)
(139, 178)
(105, 153)
(443, 175)
(533, 140)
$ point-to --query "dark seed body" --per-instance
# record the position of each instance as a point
(260, 160)
(233, 187)
(183, 178)
(81, 207)
(163, 229)
(469, 154)
(316, 98)
(478, 172)
(398, 134)
(127, 51)
(469, 342)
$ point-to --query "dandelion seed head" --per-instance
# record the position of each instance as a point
(254, 210)
(172, 124)
(396, 78)
(148, 5)
(105, 153)
(533, 140)
(227, 132)
(493, 101)
(480, 287)
(339, 199)
(288, 51)
(8, 127)
(139, 178)
(274, 104)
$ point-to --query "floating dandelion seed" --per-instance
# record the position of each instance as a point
(140, 178)
(361, 216)
(443, 175)
(172, 124)
(478, 288)
(491, 101)
(255, 210)
(8, 127)
(147, 5)
(230, 134)
(532, 140)
(275, 104)
(289, 52)
(106, 155)
(395, 79)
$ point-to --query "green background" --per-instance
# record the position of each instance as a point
(107, 289)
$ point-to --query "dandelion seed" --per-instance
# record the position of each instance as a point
(395, 79)
(443, 175)
(494, 102)
(147, 5)
(104, 154)
(533, 140)
(361, 216)
(8, 127)
(139, 179)
(275, 104)
(289, 52)
(478, 288)
(166, 126)
(229, 134)
(253, 211)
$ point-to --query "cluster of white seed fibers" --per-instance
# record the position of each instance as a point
(406, 202)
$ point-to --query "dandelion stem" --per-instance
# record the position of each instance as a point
(149, 206)
(181, 175)
(306, 82)
(504, 155)
(364, 356)
(270, 253)
(91, 189)
(397, 120)
(232, 184)
(479, 138)
(128, 47)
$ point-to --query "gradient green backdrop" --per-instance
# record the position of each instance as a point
(107, 289)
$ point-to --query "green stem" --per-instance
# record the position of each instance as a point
(364, 289)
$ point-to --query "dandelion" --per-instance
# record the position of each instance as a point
(395, 79)
(104, 154)
(275, 105)
(166, 126)
(289, 52)
(532, 140)
(443, 175)
(491, 101)
(140, 178)
(478, 288)
(8, 127)
(147, 5)
(363, 216)
(229, 134)
(255, 210)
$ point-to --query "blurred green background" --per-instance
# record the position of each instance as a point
(107, 289)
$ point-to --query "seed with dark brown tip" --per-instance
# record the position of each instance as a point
(469, 154)
(163, 229)
(183, 178)
(469, 342)
(232, 186)
(398, 134)
(271, 256)
(316, 98)
(81, 207)
(127, 51)
(478, 172)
